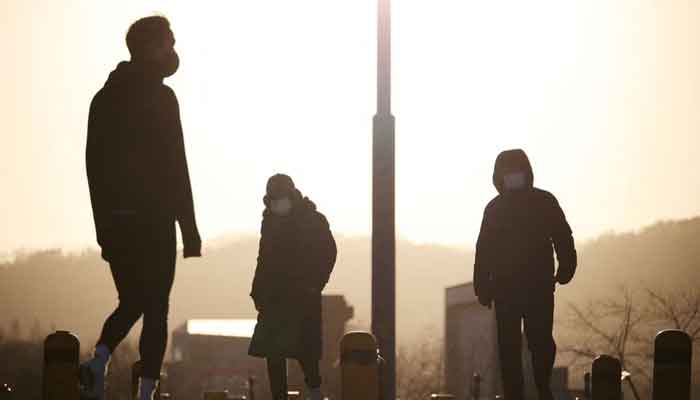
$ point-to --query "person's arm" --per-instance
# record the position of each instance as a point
(257, 292)
(563, 241)
(184, 203)
(482, 262)
(95, 168)
(329, 251)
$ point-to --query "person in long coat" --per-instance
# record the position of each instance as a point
(296, 256)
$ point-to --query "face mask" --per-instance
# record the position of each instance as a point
(281, 207)
(169, 64)
(514, 181)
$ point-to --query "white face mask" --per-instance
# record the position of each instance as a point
(281, 207)
(514, 181)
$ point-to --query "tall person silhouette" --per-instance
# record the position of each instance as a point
(296, 257)
(139, 187)
(514, 269)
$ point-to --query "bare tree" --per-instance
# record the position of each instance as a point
(676, 310)
(612, 326)
(419, 370)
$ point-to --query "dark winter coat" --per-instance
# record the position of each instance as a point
(136, 164)
(514, 254)
(296, 257)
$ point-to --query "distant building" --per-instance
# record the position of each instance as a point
(470, 344)
(471, 347)
(212, 355)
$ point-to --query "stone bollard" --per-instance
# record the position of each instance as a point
(60, 379)
(360, 367)
(587, 386)
(605, 379)
(476, 386)
(672, 365)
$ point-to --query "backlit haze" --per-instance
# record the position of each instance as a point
(603, 95)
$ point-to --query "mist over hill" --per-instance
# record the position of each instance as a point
(51, 290)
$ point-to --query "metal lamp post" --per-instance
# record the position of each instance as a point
(383, 210)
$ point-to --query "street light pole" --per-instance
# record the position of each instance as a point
(383, 209)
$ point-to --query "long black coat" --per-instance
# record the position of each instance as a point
(519, 233)
(296, 257)
(136, 164)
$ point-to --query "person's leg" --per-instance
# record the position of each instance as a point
(115, 328)
(508, 320)
(158, 278)
(119, 323)
(158, 274)
(538, 330)
(312, 373)
(277, 375)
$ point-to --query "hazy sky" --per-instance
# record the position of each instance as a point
(603, 95)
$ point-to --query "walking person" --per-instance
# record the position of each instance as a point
(296, 257)
(139, 187)
(514, 269)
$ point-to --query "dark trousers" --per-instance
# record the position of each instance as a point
(537, 312)
(277, 373)
(143, 275)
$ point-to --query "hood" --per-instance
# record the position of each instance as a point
(128, 77)
(511, 161)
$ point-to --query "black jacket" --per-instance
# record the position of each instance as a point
(514, 251)
(295, 260)
(136, 164)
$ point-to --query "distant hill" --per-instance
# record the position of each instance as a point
(48, 289)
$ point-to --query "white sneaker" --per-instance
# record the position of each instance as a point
(92, 379)
(147, 388)
(93, 372)
(314, 394)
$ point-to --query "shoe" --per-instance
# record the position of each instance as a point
(314, 394)
(92, 379)
(147, 389)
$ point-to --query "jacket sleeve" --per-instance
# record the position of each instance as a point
(563, 241)
(483, 258)
(258, 287)
(95, 168)
(328, 252)
(184, 203)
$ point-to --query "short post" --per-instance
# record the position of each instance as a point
(61, 367)
(672, 365)
(6, 392)
(587, 386)
(251, 388)
(605, 379)
(360, 367)
(476, 386)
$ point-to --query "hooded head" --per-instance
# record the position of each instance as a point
(152, 46)
(281, 195)
(512, 171)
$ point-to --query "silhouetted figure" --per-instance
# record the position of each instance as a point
(514, 268)
(295, 260)
(139, 187)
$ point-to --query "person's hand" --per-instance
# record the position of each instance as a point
(485, 301)
(192, 245)
(563, 278)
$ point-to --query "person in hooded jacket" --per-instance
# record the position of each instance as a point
(296, 256)
(139, 187)
(514, 269)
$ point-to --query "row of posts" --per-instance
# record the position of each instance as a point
(361, 371)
